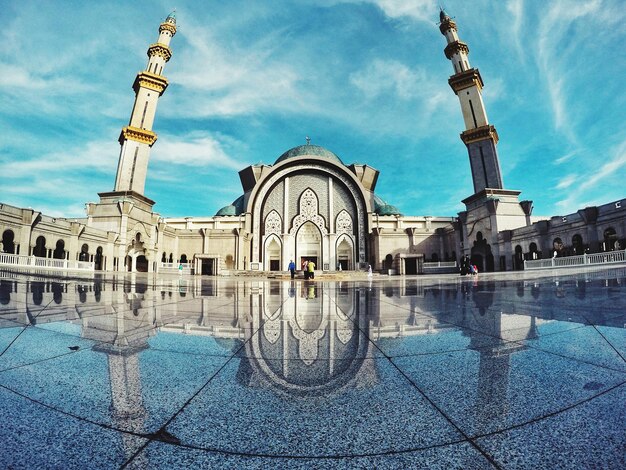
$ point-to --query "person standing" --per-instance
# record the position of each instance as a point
(292, 269)
(311, 269)
(305, 269)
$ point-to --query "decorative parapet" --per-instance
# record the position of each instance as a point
(454, 48)
(143, 136)
(446, 24)
(151, 81)
(168, 27)
(161, 50)
(466, 79)
(480, 133)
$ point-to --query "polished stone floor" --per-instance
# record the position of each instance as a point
(507, 370)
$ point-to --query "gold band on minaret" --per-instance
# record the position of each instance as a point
(137, 138)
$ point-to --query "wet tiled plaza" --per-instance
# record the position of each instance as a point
(502, 370)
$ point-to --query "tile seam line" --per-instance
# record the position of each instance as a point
(607, 341)
(190, 399)
(482, 451)
(514, 341)
(23, 330)
(549, 415)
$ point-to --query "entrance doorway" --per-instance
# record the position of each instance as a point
(142, 264)
(410, 266)
(207, 267)
(309, 244)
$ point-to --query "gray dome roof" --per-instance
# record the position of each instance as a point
(235, 208)
(308, 149)
(382, 208)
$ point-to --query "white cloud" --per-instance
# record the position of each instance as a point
(608, 169)
(223, 80)
(566, 182)
(422, 10)
(565, 158)
(516, 9)
(98, 156)
(553, 28)
(388, 77)
(194, 150)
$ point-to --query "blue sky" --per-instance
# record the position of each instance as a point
(365, 79)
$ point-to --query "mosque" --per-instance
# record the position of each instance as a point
(309, 205)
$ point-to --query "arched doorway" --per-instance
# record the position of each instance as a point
(98, 259)
(40, 247)
(8, 245)
(345, 253)
(309, 244)
(388, 262)
(142, 264)
(59, 251)
(533, 252)
(557, 247)
(610, 242)
(272, 254)
(84, 253)
(481, 255)
(577, 244)
(518, 258)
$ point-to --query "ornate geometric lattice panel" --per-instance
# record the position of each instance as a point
(344, 223)
(308, 212)
(342, 199)
(275, 199)
(273, 223)
(314, 181)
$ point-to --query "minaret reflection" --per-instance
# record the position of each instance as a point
(307, 341)
(495, 336)
(123, 332)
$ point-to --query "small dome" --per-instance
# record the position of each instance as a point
(388, 209)
(308, 149)
(382, 208)
(236, 208)
(227, 210)
(443, 16)
(171, 18)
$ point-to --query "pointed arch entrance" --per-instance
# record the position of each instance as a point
(345, 253)
(309, 243)
(273, 249)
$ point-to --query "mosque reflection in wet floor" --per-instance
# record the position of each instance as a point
(513, 371)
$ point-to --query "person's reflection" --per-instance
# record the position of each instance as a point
(311, 292)
(292, 289)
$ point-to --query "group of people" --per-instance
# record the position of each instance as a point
(308, 269)
(467, 267)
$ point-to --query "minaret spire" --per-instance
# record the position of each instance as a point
(479, 136)
(137, 138)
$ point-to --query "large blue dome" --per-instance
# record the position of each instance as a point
(308, 150)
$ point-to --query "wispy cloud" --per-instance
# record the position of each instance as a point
(417, 9)
(194, 150)
(553, 30)
(383, 77)
(611, 168)
(516, 9)
(566, 181)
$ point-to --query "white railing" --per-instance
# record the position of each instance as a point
(34, 262)
(610, 257)
(174, 267)
(440, 264)
(440, 267)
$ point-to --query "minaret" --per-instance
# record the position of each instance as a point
(137, 138)
(479, 136)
